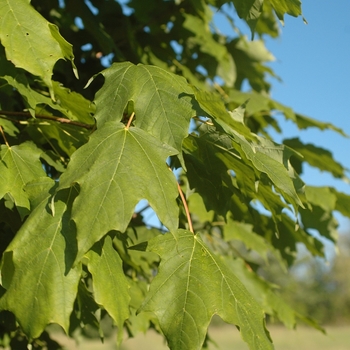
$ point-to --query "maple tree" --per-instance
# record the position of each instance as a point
(157, 114)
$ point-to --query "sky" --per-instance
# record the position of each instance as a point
(313, 61)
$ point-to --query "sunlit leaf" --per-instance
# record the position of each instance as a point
(115, 170)
(153, 92)
(291, 7)
(23, 32)
(192, 285)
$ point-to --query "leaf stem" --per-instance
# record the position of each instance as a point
(48, 117)
(220, 90)
(189, 220)
(3, 135)
(130, 120)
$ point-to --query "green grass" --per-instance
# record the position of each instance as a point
(227, 338)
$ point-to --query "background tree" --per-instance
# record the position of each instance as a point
(78, 155)
(317, 289)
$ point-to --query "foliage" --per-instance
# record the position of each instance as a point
(163, 91)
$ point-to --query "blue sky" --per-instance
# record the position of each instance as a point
(313, 62)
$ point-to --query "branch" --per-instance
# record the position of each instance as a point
(130, 120)
(3, 135)
(186, 208)
(48, 117)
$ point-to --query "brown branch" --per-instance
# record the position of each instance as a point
(220, 90)
(3, 135)
(130, 120)
(189, 220)
(48, 117)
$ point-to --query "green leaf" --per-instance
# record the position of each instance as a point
(115, 170)
(8, 127)
(109, 283)
(192, 285)
(39, 287)
(249, 10)
(38, 190)
(154, 93)
(317, 157)
(321, 196)
(323, 203)
(23, 28)
(206, 173)
(244, 233)
(263, 293)
(342, 203)
(19, 165)
(225, 66)
(291, 7)
(62, 137)
(213, 156)
(307, 122)
(73, 105)
(270, 158)
(291, 234)
(255, 50)
(213, 105)
(85, 311)
(197, 207)
(32, 98)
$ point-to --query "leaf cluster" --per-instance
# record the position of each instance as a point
(157, 114)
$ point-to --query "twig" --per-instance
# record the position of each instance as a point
(203, 121)
(130, 120)
(3, 135)
(189, 220)
(220, 90)
(48, 117)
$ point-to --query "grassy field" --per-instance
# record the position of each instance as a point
(228, 338)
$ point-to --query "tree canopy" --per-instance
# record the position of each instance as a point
(111, 109)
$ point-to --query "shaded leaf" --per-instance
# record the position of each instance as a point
(264, 158)
(192, 285)
(203, 37)
(85, 310)
(19, 165)
(317, 157)
(250, 11)
(319, 217)
(115, 170)
(110, 285)
(304, 122)
(235, 230)
(263, 293)
(39, 288)
(213, 105)
(63, 138)
(73, 105)
(342, 203)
